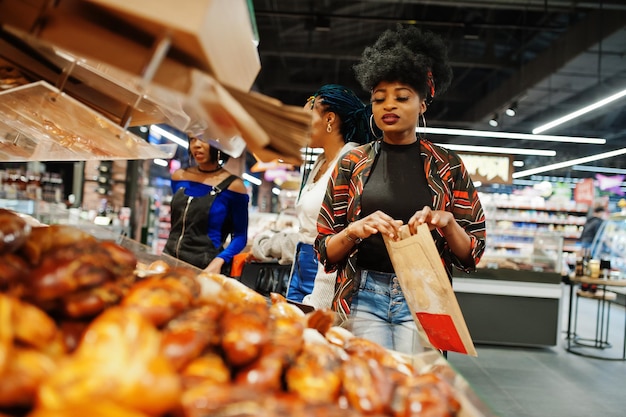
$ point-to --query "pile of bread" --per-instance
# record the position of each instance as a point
(86, 330)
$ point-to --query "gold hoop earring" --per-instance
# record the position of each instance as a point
(329, 128)
(421, 134)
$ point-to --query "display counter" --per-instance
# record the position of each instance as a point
(507, 307)
(514, 297)
(224, 329)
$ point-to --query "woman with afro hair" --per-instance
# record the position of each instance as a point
(399, 179)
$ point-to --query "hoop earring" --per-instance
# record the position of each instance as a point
(329, 128)
(372, 128)
(421, 134)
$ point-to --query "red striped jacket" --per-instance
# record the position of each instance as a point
(452, 190)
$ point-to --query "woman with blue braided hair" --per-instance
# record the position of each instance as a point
(339, 123)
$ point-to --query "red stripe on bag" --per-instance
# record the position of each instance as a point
(441, 332)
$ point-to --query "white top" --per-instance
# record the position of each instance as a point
(312, 194)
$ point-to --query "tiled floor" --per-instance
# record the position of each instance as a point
(552, 382)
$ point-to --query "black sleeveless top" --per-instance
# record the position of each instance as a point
(397, 186)
(188, 239)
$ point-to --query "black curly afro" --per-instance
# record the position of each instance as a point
(406, 55)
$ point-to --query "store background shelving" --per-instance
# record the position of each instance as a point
(514, 296)
(514, 222)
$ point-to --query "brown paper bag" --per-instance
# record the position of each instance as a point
(428, 291)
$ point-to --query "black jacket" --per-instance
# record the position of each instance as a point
(590, 230)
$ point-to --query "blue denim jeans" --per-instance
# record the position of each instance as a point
(380, 313)
(302, 273)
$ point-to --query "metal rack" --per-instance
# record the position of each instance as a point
(597, 346)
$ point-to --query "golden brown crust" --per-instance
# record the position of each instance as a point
(91, 337)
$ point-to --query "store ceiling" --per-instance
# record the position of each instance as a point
(550, 56)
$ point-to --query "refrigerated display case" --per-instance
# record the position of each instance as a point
(610, 245)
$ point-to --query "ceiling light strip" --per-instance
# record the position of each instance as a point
(168, 135)
(593, 168)
(498, 150)
(580, 112)
(570, 163)
(509, 135)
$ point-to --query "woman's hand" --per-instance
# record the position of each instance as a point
(433, 218)
(377, 222)
(215, 267)
(458, 240)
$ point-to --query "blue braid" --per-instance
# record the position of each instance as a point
(353, 113)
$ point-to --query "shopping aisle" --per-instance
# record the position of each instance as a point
(551, 382)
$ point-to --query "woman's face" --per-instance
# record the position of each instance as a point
(199, 150)
(396, 108)
(318, 122)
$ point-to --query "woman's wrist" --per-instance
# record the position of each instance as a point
(451, 227)
(350, 237)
